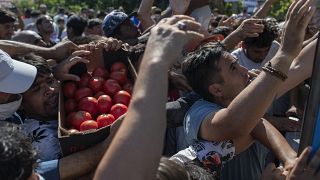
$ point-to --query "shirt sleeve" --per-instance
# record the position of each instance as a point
(194, 117)
(49, 169)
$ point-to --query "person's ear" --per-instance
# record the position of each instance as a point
(216, 90)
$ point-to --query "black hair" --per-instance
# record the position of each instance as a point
(39, 62)
(6, 16)
(94, 22)
(223, 30)
(17, 158)
(269, 34)
(77, 24)
(201, 68)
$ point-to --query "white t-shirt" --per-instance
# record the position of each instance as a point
(246, 62)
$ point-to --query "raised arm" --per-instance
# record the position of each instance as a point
(142, 131)
(243, 113)
(301, 68)
(248, 28)
(144, 14)
(264, 9)
(58, 52)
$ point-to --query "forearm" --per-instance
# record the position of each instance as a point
(144, 14)
(81, 163)
(274, 141)
(263, 11)
(14, 48)
(300, 70)
(143, 130)
(232, 40)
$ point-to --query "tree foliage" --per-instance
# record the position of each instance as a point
(76, 5)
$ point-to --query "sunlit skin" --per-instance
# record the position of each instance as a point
(41, 100)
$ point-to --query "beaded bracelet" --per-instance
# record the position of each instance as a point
(269, 69)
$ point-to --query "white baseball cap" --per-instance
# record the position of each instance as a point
(15, 77)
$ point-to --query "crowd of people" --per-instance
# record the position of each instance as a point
(214, 98)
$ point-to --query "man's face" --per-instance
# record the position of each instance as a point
(95, 30)
(128, 30)
(46, 26)
(234, 75)
(41, 100)
(256, 54)
(6, 30)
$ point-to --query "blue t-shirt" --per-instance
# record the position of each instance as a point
(44, 137)
(49, 169)
(194, 117)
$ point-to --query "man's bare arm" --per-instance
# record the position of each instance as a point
(144, 14)
(264, 9)
(58, 52)
(142, 132)
(300, 69)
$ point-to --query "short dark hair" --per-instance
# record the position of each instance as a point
(94, 22)
(223, 30)
(40, 19)
(201, 68)
(17, 158)
(39, 62)
(6, 16)
(77, 23)
(269, 34)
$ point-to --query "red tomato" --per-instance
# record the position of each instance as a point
(118, 109)
(89, 104)
(84, 80)
(104, 103)
(96, 83)
(89, 124)
(122, 97)
(105, 120)
(101, 72)
(128, 87)
(111, 86)
(121, 77)
(83, 92)
(69, 88)
(118, 66)
(98, 94)
(70, 105)
(79, 117)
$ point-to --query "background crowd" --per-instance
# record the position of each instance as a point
(216, 96)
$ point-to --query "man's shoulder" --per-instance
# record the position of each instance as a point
(200, 109)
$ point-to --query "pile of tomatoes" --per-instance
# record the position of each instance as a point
(98, 99)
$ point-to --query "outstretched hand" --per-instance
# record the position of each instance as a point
(250, 28)
(298, 17)
(304, 170)
(169, 37)
(61, 70)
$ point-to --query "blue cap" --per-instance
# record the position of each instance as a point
(112, 21)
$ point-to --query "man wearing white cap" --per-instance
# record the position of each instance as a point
(15, 78)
